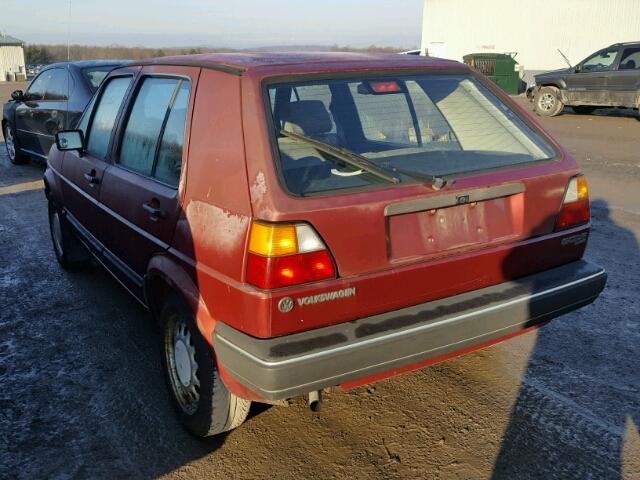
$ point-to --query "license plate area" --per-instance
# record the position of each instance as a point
(452, 227)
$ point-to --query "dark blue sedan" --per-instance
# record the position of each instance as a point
(54, 101)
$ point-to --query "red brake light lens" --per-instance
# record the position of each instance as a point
(276, 272)
(390, 86)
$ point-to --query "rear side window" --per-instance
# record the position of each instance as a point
(58, 86)
(95, 75)
(169, 161)
(630, 59)
(153, 137)
(105, 115)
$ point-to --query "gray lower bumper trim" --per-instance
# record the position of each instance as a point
(283, 367)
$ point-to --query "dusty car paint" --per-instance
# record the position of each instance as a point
(229, 179)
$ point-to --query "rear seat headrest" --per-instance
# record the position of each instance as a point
(308, 117)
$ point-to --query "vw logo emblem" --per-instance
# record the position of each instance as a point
(285, 304)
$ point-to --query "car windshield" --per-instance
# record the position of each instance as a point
(95, 75)
(431, 124)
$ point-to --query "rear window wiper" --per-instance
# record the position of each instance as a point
(359, 161)
(435, 181)
(350, 158)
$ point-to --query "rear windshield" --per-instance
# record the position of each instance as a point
(433, 124)
(95, 76)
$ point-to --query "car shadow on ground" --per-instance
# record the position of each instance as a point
(605, 112)
(578, 406)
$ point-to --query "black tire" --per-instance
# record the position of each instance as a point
(204, 404)
(583, 109)
(547, 102)
(10, 142)
(70, 253)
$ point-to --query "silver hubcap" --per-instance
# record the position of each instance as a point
(183, 367)
(547, 102)
(57, 233)
(183, 362)
(8, 140)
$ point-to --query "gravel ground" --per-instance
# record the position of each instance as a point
(81, 392)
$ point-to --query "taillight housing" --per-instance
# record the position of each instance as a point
(575, 204)
(281, 255)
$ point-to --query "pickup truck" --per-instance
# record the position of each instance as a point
(608, 78)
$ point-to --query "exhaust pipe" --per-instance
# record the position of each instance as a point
(315, 400)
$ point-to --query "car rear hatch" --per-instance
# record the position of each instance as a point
(410, 242)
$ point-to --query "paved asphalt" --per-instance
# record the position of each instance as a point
(82, 395)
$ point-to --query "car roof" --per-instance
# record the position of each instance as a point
(89, 63)
(623, 44)
(240, 63)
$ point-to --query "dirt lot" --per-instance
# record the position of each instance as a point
(81, 393)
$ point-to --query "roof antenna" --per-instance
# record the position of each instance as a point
(66, 116)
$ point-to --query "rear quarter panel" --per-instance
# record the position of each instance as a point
(212, 228)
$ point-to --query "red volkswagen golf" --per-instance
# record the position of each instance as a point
(304, 221)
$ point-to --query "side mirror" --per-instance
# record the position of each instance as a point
(67, 140)
(17, 95)
(577, 69)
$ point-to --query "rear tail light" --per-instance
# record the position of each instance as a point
(281, 255)
(575, 205)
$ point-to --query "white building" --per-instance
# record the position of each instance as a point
(533, 29)
(11, 58)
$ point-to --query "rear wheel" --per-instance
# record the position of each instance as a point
(547, 102)
(15, 156)
(583, 109)
(204, 404)
(71, 254)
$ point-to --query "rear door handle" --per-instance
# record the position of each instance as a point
(92, 178)
(154, 212)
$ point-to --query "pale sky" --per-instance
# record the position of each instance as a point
(239, 24)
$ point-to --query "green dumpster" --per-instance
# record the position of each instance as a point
(499, 67)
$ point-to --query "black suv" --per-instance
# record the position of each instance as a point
(608, 78)
(54, 100)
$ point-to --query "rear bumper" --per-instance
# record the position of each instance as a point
(284, 367)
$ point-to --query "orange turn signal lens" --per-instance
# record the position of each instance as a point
(583, 189)
(273, 240)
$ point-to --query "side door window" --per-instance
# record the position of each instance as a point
(601, 61)
(105, 115)
(29, 117)
(83, 124)
(141, 185)
(38, 85)
(152, 141)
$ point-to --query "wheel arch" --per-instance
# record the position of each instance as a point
(52, 187)
(165, 276)
(560, 86)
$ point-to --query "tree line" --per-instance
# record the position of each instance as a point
(45, 54)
